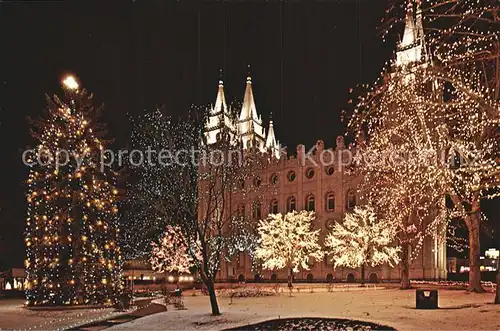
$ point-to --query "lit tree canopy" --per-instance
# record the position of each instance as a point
(288, 241)
(172, 253)
(362, 239)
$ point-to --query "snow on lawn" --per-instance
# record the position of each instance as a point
(14, 316)
(391, 307)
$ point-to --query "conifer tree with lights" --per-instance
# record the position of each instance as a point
(71, 235)
(362, 239)
(288, 242)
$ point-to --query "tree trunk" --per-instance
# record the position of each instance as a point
(164, 283)
(405, 268)
(290, 281)
(363, 275)
(213, 298)
(474, 253)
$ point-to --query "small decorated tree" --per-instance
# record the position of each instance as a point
(362, 239)
(288, 241)
(171, 255)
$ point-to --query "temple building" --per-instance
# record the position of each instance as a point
(325, 186)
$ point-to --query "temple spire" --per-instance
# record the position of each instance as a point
(411, 49)
(250, 124)
(271, 139)
(272, 145)
(248, 110)
(220, 103)
(409, 35)
(219, 117)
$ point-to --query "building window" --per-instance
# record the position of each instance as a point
(274, 179)
(310, 173)
(291, 206)
(310, 203)
(256, 181)
(351, 200)
(330, 201)
(241, 184)
(273, 208)
(256, 210)
(291, 176)
(329, 170)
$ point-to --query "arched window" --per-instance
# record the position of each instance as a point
(329, 170)
(256, 209)
(310, 173)
(291, 176)
(241, 184)
(351, 200)
(310, 203)
(274, 179)
(273, 207)
(330, 201)
(256, 181)
(291, 205)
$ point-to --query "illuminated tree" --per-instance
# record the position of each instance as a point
(453, 57)
(362, 239)
(404, 178)
(190, 188)
(288, 241)
(71, 232)
(172, 253)
(148, 182)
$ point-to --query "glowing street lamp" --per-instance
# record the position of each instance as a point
(70, 83)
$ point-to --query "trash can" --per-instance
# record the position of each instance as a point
(427, 299)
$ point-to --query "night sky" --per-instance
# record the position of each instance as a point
(137, 55)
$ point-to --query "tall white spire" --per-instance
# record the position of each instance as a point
(219, 117)
(220, 102)
(410, 33)
(411, 49)
(250, 124)
(272, 145)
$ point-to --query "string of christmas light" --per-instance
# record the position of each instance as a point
(288, 241)
(362, 239)
(72, 223)
(449, 102)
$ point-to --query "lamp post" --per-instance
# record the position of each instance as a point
(70, 83)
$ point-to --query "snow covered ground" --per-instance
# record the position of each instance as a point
(14, 316)
(392, 307)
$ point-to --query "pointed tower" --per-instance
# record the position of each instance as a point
(250, 128)
(219, 117)
(411, 50)
(272, 145)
